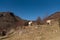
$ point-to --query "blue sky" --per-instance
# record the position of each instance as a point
(30, 9)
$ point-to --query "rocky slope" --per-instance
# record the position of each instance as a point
(8, 21)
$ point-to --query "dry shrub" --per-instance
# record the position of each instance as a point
(39, 21)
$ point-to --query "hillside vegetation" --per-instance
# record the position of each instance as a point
(36, 32)
(17, 28)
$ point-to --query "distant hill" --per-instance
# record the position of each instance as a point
(8, 20)
(53, 16)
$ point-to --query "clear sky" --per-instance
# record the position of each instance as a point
(30, 9)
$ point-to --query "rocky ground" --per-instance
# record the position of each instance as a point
(36, 32)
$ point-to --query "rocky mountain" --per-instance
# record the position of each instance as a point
(8, 20)
(55, 15)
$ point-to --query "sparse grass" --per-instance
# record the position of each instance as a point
(43, 32)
